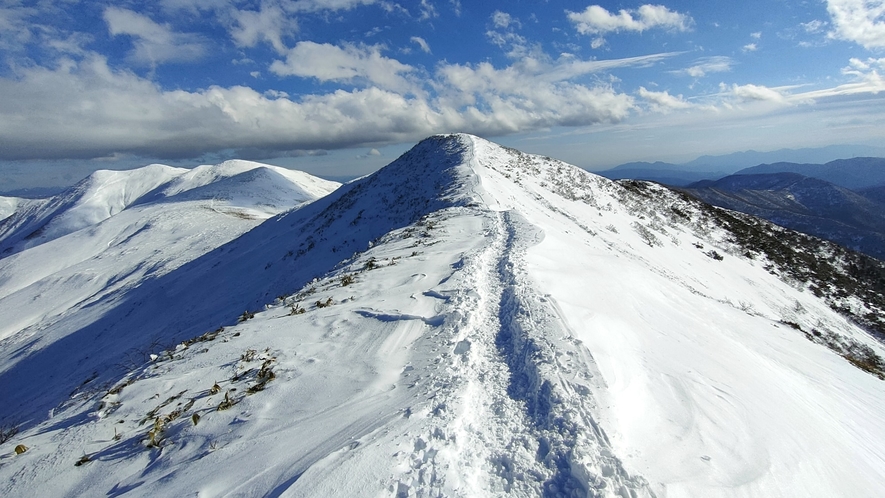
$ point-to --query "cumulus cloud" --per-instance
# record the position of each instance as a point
(153, 43)
(859, 21)
(511, 99)
(349, 63)
(268, 24)
(750, 47)
(663, 101)
(858, 67)
(596, 20)
(85, 109)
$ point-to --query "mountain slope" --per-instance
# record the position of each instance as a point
(96, 198)
(805, 204)
(469, 321)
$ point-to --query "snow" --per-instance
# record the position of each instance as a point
(8, 205)
(243, 188)
(468, 321)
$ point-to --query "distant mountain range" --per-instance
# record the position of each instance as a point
(811, 205)
(715, 167)
(854, 173)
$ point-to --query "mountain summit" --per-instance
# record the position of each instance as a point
(469, 320)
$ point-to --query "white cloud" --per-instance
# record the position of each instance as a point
(456, 7)
(86, 109)
(529, 71)
(536, 92)
(268, 24)
(73, 44)
(707, 65)
(860, 21)
(515, 44)
(752, 92)
(868, 82)
(812, 27)
(421, 43)
(428, 10)
(271, 21)
(153, 43)
(865, 75)
(15, 26)
(750, 47)
(596, 20)
(663, 101)
(521, 97)
(350, 63)
(757, 35)
(857, 67)
(503, 20)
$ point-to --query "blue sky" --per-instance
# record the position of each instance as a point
(343, 86)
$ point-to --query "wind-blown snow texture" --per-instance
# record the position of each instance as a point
(468, 321)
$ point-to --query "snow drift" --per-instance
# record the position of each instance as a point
(468, 321)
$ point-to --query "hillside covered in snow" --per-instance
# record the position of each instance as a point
(467, 321)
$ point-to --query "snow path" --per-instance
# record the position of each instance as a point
(518, 425)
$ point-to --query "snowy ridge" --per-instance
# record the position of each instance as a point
(96, 198)
(468, 321)
(244, 184)
(241, 188)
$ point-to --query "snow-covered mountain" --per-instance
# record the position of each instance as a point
(245, 188)
(468, 321)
